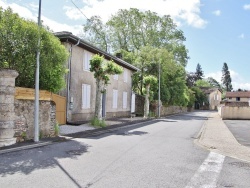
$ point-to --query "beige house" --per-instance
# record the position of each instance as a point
(118, 100)
(213, 96)
(238, 96)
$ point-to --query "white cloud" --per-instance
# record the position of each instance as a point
(217, 12)
(186, 12)
(53, 25)
(237, 80)
(241, 36)
(246, 7)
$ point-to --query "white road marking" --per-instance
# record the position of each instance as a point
(207, 174)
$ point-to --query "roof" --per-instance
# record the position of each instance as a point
(209, 90)
(66, 36)
(242, 94)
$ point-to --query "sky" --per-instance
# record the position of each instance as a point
(216, 31)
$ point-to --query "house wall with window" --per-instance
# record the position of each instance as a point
(81, 84)
(239, 96)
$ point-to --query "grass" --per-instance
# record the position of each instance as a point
(98, 123)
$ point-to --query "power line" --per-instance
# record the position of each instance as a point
(80, 10)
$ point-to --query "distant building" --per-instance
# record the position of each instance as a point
(213, 97)
(238, 96)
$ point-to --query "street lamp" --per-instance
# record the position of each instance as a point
(36, 120)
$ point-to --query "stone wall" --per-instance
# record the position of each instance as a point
(234, 112)
(24, 119)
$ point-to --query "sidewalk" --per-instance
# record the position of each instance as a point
(216, 136)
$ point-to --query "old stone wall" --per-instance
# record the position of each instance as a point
(24, 119)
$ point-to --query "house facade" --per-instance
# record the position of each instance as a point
(213, 96)
(81, 84)
(238, 96)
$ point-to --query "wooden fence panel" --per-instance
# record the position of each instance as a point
(60, 108)
(29, 94)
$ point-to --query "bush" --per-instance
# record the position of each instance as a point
(98, 123)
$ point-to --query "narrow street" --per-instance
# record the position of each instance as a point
(156, 154)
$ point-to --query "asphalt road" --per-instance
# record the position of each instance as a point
(157, 154)
(240, 130)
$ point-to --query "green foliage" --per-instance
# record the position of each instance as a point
(18, 49)
(150, 80)
(97, 122)
(132, 29)
(202, 83)
(57, 129)
(200, 96)
(226, 78)
(214, 83)
(102, 69)
(199, 73)
(24, 135)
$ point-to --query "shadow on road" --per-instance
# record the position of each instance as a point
(26, 161)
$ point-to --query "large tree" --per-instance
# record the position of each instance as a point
(199, 73)
(18, 47)
(102, 69)
(132, 29)
(226, 78)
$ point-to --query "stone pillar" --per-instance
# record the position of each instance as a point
(7, 114)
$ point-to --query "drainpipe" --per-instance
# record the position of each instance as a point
(69, 80)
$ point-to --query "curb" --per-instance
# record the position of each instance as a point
(36, 145)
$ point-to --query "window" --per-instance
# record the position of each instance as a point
(115, 98)
(115, 77)
(125, 75)
(237, 98)
(86, 60)
(86, 89)
(124, 100)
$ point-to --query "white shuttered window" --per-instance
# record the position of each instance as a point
(124, 100)
(86, 90)
(115, 98)
(86, 60)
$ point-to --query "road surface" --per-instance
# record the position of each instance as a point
(156, 154)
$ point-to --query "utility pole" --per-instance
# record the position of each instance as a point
(36, 120)
(159, 91)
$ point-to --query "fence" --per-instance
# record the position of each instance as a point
(29, 94)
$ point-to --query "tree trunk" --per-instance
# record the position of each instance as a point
(98, 101)
(146, 105)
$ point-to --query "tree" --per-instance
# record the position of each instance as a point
(214, 83)
(226, 78)
(190, 79)
(202, 83)
(132, 29)
(102, 70)
(148, 81)
(199, 73)
(18, 47)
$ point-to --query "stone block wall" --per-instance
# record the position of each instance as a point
(24, 119)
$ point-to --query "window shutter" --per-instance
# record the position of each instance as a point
(115, 97)
(87, 57)
(133, 103)
(124, 99)
(86, 89)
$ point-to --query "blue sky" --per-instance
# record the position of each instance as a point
(217, 31)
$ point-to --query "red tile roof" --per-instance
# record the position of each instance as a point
(241, 94)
